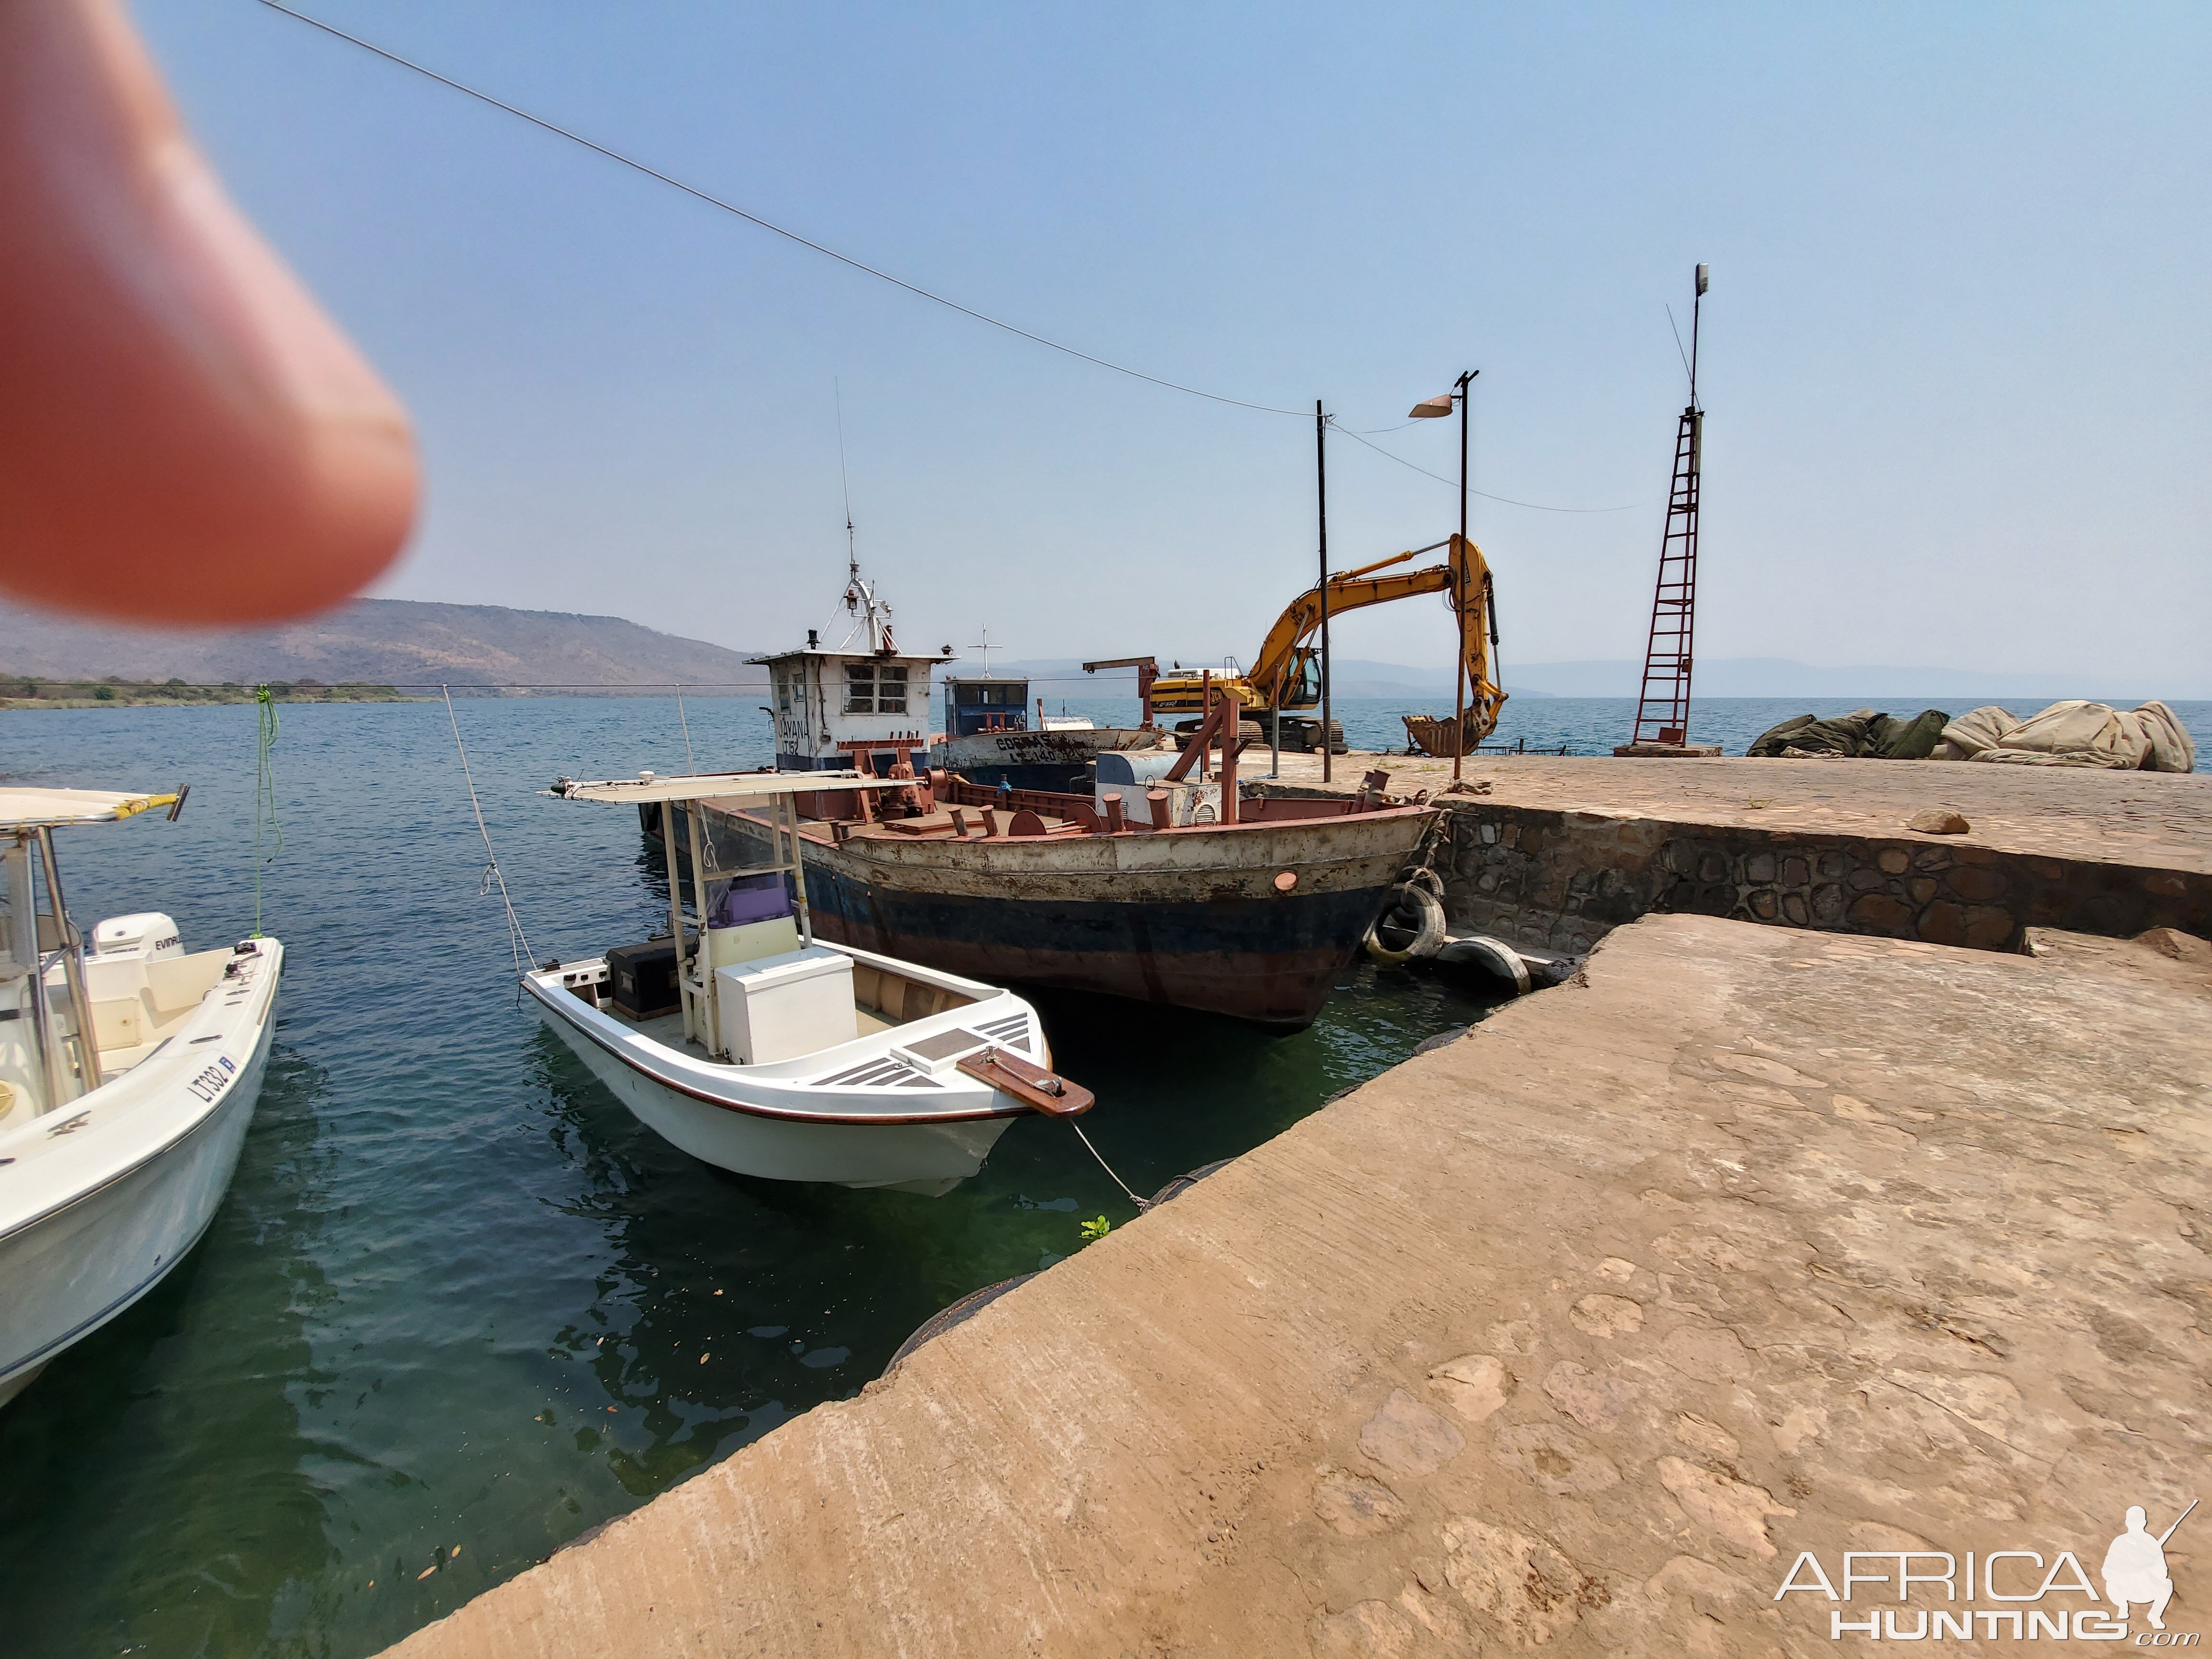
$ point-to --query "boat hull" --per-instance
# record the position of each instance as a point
(1187, 918)
(922, 1158)
(771, 1122)
(95, 1252)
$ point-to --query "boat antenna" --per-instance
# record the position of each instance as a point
(984, 646)
(861, 601)
(845, 483)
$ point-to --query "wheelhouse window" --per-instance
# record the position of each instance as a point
(860, 688)
(875, 688)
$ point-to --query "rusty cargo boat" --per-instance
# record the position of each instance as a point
(1256, 919)
(1163, 889)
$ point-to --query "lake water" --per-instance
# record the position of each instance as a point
(460, 1307)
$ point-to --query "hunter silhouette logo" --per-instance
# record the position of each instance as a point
(2028, 1594)
(2135, 1567)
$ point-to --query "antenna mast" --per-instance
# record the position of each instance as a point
(1663, 707)
(861, 601)
(845, 482)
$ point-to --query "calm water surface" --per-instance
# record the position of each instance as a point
(460, 1307)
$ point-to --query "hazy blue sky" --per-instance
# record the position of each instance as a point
(1955, 351)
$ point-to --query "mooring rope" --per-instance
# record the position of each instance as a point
(518, 941)
(688, 759)
(1142, 1204)
(265, 795)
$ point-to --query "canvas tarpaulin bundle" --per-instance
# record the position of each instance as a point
(1863, 734)
(1976, 729)
(2075, 734)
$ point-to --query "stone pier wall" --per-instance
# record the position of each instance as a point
(1559, 881)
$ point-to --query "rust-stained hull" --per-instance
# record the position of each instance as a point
(1191, 918)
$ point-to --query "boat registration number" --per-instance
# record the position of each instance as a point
(215, 1079)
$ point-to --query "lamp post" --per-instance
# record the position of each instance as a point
(1436, 409)
(1321, 501)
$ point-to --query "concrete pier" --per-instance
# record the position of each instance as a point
(1574, 1333)
(1555, 851)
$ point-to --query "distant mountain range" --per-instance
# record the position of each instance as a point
(403, 642)
(1778, 677)
(491, 648)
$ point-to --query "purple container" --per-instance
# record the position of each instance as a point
(754, 899)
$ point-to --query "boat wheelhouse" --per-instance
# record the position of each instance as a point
(985, 704)
(864, 697)
(832, 707)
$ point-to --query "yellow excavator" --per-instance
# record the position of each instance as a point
(1286, 674)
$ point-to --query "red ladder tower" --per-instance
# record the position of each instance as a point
(1663, 708)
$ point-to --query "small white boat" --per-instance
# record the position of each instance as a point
(760, 1049)
(115, 1152)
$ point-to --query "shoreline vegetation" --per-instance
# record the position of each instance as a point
(37, 691)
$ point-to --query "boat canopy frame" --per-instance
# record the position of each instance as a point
(697, 991)
(29, 817)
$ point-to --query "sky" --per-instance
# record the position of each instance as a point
(1952, 359)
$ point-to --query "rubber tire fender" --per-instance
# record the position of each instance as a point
(1427, 943)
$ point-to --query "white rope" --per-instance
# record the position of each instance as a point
(688, 760)
(517, 942)
(1142, 1204)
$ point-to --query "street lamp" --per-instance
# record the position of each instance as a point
(1434, 409)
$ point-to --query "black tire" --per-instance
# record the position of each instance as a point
(958, 1313)
(1183, 1183)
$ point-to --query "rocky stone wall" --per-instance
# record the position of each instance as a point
(1559, 881)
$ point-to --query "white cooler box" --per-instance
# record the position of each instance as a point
(784, 1007)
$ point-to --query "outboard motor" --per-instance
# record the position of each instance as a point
(148, 936)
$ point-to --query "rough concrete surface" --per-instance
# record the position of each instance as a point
(2161, 819)
(1570, 1335)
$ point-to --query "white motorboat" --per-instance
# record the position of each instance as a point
(756, 1048)
(128, 1075)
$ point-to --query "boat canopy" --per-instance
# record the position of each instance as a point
(35, 809)
(720, 785)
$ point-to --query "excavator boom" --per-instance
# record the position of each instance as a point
(1276, 679)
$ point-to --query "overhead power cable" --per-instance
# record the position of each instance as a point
(1533, 506)
(754, 218)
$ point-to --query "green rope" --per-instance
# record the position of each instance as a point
(264, 797)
